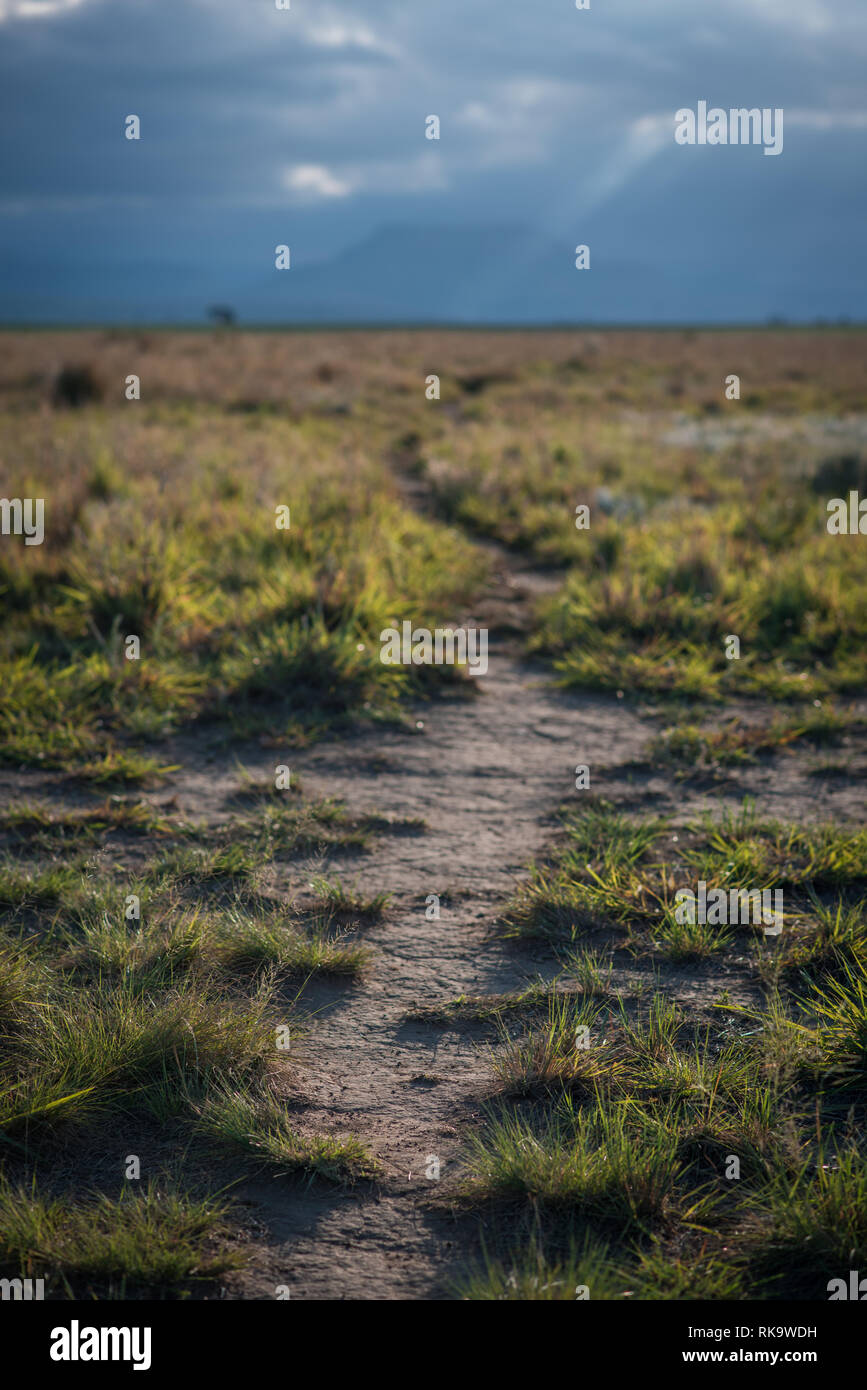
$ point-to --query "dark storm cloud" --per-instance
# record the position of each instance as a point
(254, 118)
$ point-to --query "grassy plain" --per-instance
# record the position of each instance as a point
(146, 966)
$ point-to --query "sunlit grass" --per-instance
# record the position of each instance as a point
(148, 1240)
(239, 622)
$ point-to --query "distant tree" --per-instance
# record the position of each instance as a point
(77, 384)
(222, 315)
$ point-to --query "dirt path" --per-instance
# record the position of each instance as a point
(487, 776)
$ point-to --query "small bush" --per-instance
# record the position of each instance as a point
(77, 384)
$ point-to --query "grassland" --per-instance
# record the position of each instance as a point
(696, 1151)
(152, 962)
(157, 1004)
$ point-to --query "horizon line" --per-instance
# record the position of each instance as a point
(441, 325)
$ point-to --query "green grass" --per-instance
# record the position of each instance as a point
(170, 1018)
(486, 1008)
(35, 887)
(689, 941)
(242, 625)
(91, 1051)
(530, 1274)
(712, 1150)
(123, 766)
(684, 548)
(246, 942)
(144, 1241)
(840, 1005)
(341, 902)
(558, 1053)
(658, 623)
(37, 829)
(830, 934)
(616, 1165)
(592, 971)
(607, 871)
(687, 746)
(262, 1133)
(814, 1226)
(740, 849)
(306, 827)
(549, 1268)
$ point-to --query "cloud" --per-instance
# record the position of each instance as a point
(313, 182)
(827, 120)
(36, 9)
(810, 16)
(337, 34)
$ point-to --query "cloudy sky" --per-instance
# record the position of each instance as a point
(307, 127)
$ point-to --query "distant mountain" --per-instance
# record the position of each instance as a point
(458, 274)
(713, 236)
